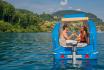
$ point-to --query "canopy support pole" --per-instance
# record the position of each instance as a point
(74, 55)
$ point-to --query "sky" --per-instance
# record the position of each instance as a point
(49, 6)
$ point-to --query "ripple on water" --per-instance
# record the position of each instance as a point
(32, 51)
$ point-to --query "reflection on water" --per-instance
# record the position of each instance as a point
(81, 65)
(33, 51)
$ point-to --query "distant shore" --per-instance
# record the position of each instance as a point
(21, 20)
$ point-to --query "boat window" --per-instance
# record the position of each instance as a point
(75, 26)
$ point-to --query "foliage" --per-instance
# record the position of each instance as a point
(21, 20)
(5, 27)
(46, 17)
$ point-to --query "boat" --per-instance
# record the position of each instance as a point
(86, 52)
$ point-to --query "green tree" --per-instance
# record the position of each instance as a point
(8, 12)
(5, 27)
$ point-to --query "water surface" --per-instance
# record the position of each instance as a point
(33, 51)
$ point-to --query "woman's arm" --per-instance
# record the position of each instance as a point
(78, 38)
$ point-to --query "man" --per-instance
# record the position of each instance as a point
(64, 33)
(64, 37)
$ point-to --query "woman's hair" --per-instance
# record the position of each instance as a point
(85, 29)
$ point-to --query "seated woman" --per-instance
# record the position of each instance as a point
(83, 37)
(65, 38)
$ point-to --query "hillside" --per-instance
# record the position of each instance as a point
(22, 20)
(90, 15)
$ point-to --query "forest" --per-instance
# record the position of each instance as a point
(22, 20)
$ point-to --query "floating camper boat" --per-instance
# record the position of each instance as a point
(87, 52)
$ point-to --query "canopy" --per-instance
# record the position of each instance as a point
(74, 19)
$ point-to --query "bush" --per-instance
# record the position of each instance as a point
(5, 27)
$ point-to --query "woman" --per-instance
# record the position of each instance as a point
(83, 36)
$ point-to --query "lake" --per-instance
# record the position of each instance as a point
(33, 51)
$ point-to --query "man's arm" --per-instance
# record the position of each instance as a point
(67, 37)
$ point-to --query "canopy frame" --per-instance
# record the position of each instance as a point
(75, 19)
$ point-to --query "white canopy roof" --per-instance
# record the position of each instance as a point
(74, 19)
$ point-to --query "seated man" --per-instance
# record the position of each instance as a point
(65, 38)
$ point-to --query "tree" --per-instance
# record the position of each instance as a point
(5, 27)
